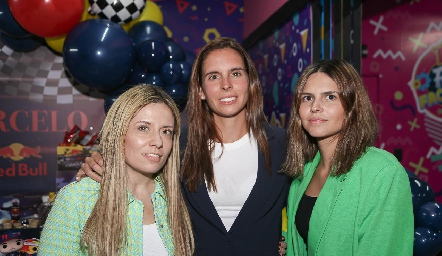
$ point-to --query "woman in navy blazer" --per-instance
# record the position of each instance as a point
(226, 106)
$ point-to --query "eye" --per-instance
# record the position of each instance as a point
(143, 128)
(213, 77)
(237, 74)
(168, 132)
(331, 97)
(307, 98)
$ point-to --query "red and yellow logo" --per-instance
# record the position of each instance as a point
(18, 152)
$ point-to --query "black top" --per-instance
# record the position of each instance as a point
(303, 214)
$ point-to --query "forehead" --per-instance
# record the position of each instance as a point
(223, 58)
(155, 113)
(320, 82)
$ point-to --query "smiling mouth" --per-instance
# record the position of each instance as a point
(230, 99)
(151, 155)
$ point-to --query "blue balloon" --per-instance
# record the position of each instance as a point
(112, 96)
(176, 52)
(138, 75)
(98, 53)
(154, 79)
(26, 44)
(421, 193)
(171, 72)
(147, 30)
(425, 242)
(186, 70)
(8, 24)
(152, 54)
(430, 216)
(179, 93)
(190, 57)
(410, 173)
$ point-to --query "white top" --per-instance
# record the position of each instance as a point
(152, 243)
(235, 176)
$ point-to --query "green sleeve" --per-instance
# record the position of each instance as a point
(62, 231)
(386, 219)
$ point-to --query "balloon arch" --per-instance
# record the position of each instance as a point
(107, 45)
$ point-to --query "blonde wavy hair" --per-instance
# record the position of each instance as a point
(105, 230)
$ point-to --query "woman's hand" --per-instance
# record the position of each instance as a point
(282, 246)
(91, 167)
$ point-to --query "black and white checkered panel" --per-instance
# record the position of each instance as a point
(40, 76)
(121, 12)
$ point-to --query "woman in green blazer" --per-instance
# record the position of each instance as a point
(347, 197)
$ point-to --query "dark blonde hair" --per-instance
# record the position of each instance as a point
(197, 161)
(105, 230)
(359, 130)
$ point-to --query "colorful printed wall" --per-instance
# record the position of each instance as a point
(402, 67)
(280, 58)
(40, 101)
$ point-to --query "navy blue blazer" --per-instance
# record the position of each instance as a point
(257, 229)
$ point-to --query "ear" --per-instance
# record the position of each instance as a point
(201, 94)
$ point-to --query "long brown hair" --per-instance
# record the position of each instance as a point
(105, 230)
(197, 162)
(359, 130)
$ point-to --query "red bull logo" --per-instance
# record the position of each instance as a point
(18, 152)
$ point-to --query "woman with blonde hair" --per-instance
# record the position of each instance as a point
(138, 208)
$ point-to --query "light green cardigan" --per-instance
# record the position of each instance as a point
(62, 231)
(367, 211)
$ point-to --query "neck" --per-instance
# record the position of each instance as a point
(231, 129)
(327, 148)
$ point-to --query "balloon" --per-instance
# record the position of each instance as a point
(425, 242)
(430, 216)
(171, 72)
(154, 79)
(47, 18)
(138, 75)
(190, 57)
(421, 193)
(176, 52)
(8, 24)
(22, 44)
(99, 54)
(178, 92)
(147, 30)
(186, 70)
(410, 173)
(118, 11)
(150, 12)
(56, 43)
(152, 54)
(112, 96)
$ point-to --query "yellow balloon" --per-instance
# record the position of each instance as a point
(55, 43)
(150, 12)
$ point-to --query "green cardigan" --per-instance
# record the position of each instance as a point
(367, 211)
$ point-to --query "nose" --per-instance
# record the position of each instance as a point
(226, 84)
(316, 107)
(156, 140)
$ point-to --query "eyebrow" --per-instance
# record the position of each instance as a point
(323, 93)
(217, 72)
(149, 123)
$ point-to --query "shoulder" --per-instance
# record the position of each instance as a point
(273, 131)
(378, 157)
(377, 162)
(79, 190)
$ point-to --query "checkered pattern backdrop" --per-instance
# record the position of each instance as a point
(117, 11)
(40, 76)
